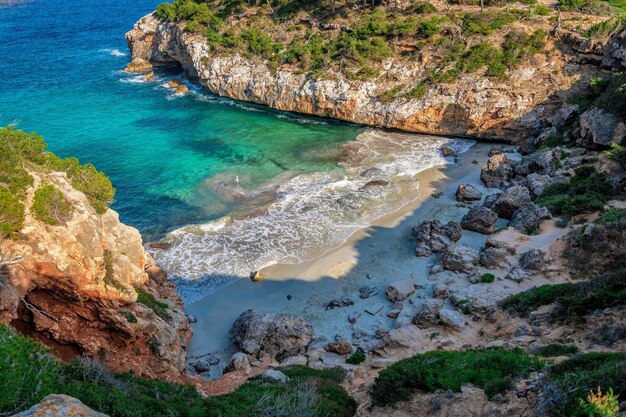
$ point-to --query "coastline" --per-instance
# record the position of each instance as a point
(376, 255)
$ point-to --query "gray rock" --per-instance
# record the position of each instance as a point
(201, 366)
(546, 163)
(492, 258)
(60, 406)
(192, 319)
(374, 309)
(537, 183)
(460, 259)
(533, 260)
(238, 362)
(212, 359)
(510, 200)
(400, 290)
(405, 317)
(594, 233)
(367, 291)
(427, 314)
(280, 335)
(529, 145)
(343, 301)
(299, 360)
(480, 219)
(490, 200)
(599, 129)
(274, 376)
(452, 319)
(564, 115)
(496, 172)
(467, 192)
(440, 290)
(431, 236)
(516, 274)
(529, 216)
(494, 242)
(447, 151)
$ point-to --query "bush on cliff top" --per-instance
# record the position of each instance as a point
(28, 373)
(50, 206)
(22, 152)
(491, 369)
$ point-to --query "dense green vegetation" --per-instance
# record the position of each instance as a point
(586, 191)
(50, 206)
(487, 278)
(28, 373)
(556, 349)
(22, 153)
(611, 216)
(491, 369)
(356, 358)
(569, 382)
(574, 299)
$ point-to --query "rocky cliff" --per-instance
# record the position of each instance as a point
(76, 286)
(473, 105)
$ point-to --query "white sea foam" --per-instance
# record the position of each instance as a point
(113, 52)
(310, 214)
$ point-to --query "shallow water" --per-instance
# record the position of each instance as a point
(232, 186)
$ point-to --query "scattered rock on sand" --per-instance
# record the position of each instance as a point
(256, 276)
(400, 290)
(428, 313)
(238, 362)
(496, 241)
(529, 217)
(496, 172)
(432, 236)
(480, 219)
(440, 290)
(492, 258)
(510, 200)
(467, 192)
(272, 375)
(536, 183)
(533, 260)
(460, 259)
(452, 319)
(341, 347)
(280, 335)
(343, 301)
(516, 274)
(138, 65)
(299, 360)
(367, 291)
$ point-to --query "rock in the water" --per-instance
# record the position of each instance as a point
(201, 366)
(238, 362)
(492, 258)
(273, 376)
(533, 260)
(400, 290)
(446, 151)
(256, 276)
(280, 335)
(600, 129)
(60, 406)
(428, 313)
(192, 319)
(496, 172)
(432, 236)
(529, 216)
(516, 274)
(138, 65)
(467, 192)
(341, 347)
(149, 76)
(510, 200)
(343, 301)
(452, 319)
(460, 259)
(178, 86)
(490, 200)
(440, 290)
(367, 291)
(480, 219)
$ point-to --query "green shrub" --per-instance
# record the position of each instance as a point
(450, 370)
(390, 95)
(606, 28)
(356, 358)
(524, 303)
(571, 4)
(612, 216)
(540, 10)
(130, 317)
(417, 92)
(569, 382)
(561, 223)
(598, 404)
(50, 206)
(479, 56)
(557, 349)
(486, 22)
(487, 278)
(424, 7)
(159, 307)
(11, 213)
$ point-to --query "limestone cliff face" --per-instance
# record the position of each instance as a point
(74, 286)
(472, 106)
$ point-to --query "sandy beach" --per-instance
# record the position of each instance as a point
(375, 256)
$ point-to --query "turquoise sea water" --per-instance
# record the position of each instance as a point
(231, 186)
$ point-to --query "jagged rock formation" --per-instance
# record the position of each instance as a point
(473, 105)
(74, 286)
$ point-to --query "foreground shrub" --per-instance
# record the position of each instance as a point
(570, 382)
(601, 405)
(557, 349)
(50, 206)
(491, 369)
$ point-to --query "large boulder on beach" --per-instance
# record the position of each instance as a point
(432, 236)
(510, 200)
(496, 172)
(534, 260)
(452, 319)
(238, 362)
(529, 216)
(480, 219)
(460, 259)
(467, 192)
(280, 335)
(400, 290)
(427, 313)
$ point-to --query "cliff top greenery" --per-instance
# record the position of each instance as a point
(22, 153)
(28, 373)
(354, 38)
